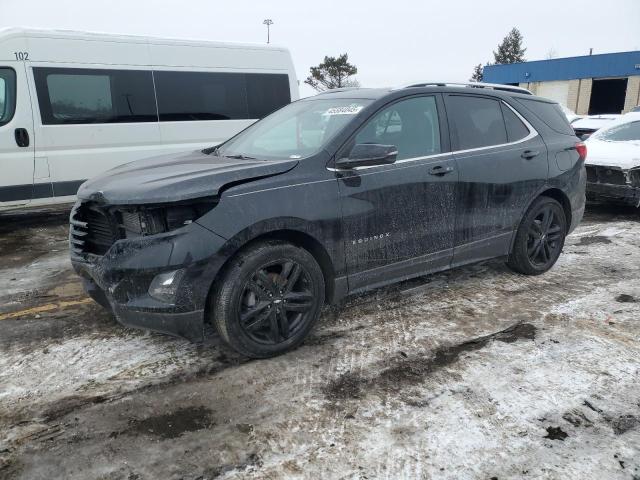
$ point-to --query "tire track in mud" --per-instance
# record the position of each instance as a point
(412, 370)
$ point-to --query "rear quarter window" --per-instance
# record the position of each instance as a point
(549, 113)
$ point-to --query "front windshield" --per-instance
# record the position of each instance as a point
(620, 133)
(298, 130)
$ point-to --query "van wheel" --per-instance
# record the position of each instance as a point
(268, 299)
(540, 238)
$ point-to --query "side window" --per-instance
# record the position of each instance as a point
(411, 125)
(7, 95)
(477, 121)
(74, 96)
(266, 92)
(184, 96)
(516, 130)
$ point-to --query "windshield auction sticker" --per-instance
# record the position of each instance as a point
(347, 110)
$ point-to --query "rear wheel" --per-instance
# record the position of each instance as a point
(268, 299)
(540, 238)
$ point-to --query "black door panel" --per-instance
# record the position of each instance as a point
(396, 214)
(399, 219)
(494, 189)
(502, 164)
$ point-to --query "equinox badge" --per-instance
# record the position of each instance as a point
(371, 239)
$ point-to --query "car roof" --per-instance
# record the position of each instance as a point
(431, 87)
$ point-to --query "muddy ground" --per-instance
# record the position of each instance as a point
(473, 373)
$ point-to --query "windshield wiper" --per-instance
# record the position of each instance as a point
(239, 156)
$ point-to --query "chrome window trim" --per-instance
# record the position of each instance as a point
(397, 162)
(532, 134)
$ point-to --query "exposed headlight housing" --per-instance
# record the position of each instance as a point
(153, 219)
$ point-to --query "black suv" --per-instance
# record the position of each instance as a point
(328, 196)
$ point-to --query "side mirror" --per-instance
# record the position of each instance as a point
(368, 154)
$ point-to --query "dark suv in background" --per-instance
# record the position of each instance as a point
(328, 196)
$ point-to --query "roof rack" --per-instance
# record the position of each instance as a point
(492, 86)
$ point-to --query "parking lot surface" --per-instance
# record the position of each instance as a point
(473, 373)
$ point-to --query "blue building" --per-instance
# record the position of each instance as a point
(591, 84)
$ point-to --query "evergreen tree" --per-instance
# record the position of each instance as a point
(477, 73)
(510, 50)
(334, 72)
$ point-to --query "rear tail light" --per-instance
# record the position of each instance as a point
(581, 148)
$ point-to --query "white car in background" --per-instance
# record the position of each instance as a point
(570, 114)
(586, 126)
(613, 162)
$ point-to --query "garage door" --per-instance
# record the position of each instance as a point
(557, 91)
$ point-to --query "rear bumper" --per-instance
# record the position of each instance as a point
(609, 193)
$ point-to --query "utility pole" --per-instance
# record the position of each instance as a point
(268, 22)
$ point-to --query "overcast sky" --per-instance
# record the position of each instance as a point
(390, 41)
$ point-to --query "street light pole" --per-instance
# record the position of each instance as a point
(268, 22)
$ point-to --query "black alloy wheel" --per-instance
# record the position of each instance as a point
(275, 302)
(545, 236)
(268, 299)
(540, 237)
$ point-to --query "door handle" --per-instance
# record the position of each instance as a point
(440, 171)
(529, 154)
(22, 137)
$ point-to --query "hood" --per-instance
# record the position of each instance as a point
(613, 154)
(172, 178)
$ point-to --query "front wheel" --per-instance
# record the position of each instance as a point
(540, 238)
(268, 299)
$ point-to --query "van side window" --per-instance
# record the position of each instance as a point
(516, 130)
(476, 121)
(184, 96)
(7, 95)
(267, 92)
(74, 95)
(411, 125)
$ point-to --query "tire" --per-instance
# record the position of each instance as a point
(538, 244)
(268, 299)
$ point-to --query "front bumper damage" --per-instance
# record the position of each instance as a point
(611, 184)
(120, 279)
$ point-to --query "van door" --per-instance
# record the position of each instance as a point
(16, 136)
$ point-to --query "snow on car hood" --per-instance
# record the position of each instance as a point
(595, 122)
(613, 154)
(176, 177)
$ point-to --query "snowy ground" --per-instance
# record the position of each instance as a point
(474, 373)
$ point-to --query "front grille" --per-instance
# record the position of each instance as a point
(91, 231)
(612, 176)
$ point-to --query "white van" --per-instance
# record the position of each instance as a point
(75, 104)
